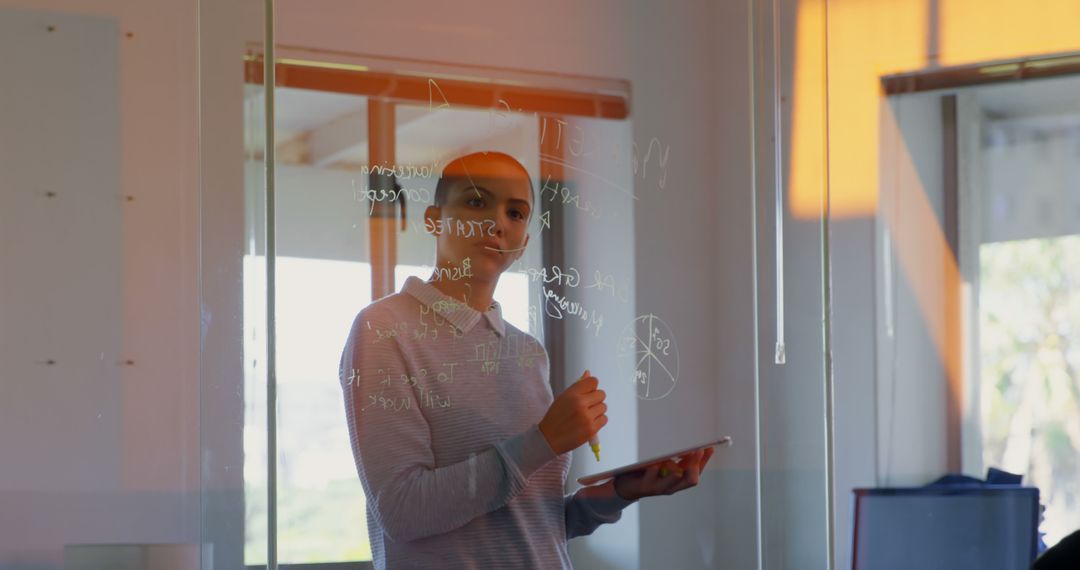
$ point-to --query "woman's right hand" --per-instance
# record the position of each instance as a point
(575, 415)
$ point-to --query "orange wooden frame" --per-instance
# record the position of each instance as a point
(415, 88)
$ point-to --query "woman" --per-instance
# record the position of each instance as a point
(461, 448)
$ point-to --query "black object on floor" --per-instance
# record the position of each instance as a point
(1064, 555)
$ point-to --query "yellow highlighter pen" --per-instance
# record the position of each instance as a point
(594, 441)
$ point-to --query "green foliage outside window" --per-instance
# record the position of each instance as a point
(1029, 336)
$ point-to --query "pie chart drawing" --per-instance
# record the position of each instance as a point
(648, 344)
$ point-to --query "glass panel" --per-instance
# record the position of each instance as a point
(324, 278)
(99, 265)
(236, 505)
(344, 207)
(621, 277)
(794, 389)
(953, 200)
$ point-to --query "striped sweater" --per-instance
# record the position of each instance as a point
(443, 404)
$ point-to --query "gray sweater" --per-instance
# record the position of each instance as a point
(443, 404)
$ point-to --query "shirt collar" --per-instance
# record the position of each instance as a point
(455, 312)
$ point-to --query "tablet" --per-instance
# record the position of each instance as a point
(592, 479)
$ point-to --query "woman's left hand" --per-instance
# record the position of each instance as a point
(664, 478)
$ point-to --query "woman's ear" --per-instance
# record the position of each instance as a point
(432, 215)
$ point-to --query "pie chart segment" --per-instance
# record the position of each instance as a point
(648, 356)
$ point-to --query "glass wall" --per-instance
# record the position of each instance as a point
(236, 370)
(794, 375)
(351, 229)
(251, 311)
(365, 127)
(99, 285)
(645, 149)
(840, 232)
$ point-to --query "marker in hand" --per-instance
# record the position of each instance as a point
(594, 441)
(575, 416)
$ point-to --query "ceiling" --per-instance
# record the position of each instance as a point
(330, 130)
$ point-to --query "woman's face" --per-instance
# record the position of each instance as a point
(485, 219)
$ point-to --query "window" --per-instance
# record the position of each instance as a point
(1029, 304)
(1029, 318)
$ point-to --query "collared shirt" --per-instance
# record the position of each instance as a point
(443, 405)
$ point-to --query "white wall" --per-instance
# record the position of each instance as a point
(888, 286)
(911, 399)
(890, 380)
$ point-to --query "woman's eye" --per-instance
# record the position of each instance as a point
(476, 202)
(517, 214)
